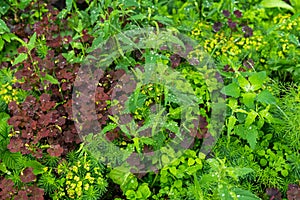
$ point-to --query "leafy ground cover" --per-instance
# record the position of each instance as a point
(200, 101)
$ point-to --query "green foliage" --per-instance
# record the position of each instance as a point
(259, 145)
(278, 4)
(249, 103)
(7, 92)
(78, 177)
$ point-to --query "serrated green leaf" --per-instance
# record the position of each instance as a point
(224, 193)
(244, 83)
(21, 57)
(232, 103)
(242, 171)
(250, 118)
(38, 168)
(245, 194)
(130, 3)
(231, 123)
(108, 127)
(3, 27)
(248, 99)
(172, 126)
(266, 97)
(163, 19)
(51, 79)
(257, 80)
(147, 141)
(138, 17)
(247, 133)
(277, 3)
(232, 90)
(31, 42)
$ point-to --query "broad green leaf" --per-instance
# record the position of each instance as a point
(38, 168)
(3, 27)
(250, 118)
(231, 124)
(277, 3)
(12, 160)
(119, 174)
(147, 140)
(8, 36)
(257, 80)
(266, 97)
(23, 4)
(165, 159)
(248, 99)
(224, 193)
(136, 100)
(31, 42)
(4, 116)
(284, 172)
(244, 83)
(245, 194)
(232, 103)
(294, 39)
(178, 184)
(266, 114)
(69, 5)
(130, 194)
(193, 169)
(191, 161)
(175, 113)
(108, 127)
(130, 3)
(138, 17)
(51, 79)
(251, 136)
(4, 7)
(163, 19)
(21, 57)
(247, 133)
(242, 171)
(1, 44)
(232, 90)
(144, 190)
(172, 126)
(173, 170)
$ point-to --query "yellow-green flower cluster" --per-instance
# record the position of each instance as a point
(288, 25)
(232, 46)
(201, 29)
(8, 93)
(79, 177)
(285, 23)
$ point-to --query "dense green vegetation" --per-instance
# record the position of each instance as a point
(133, 99)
